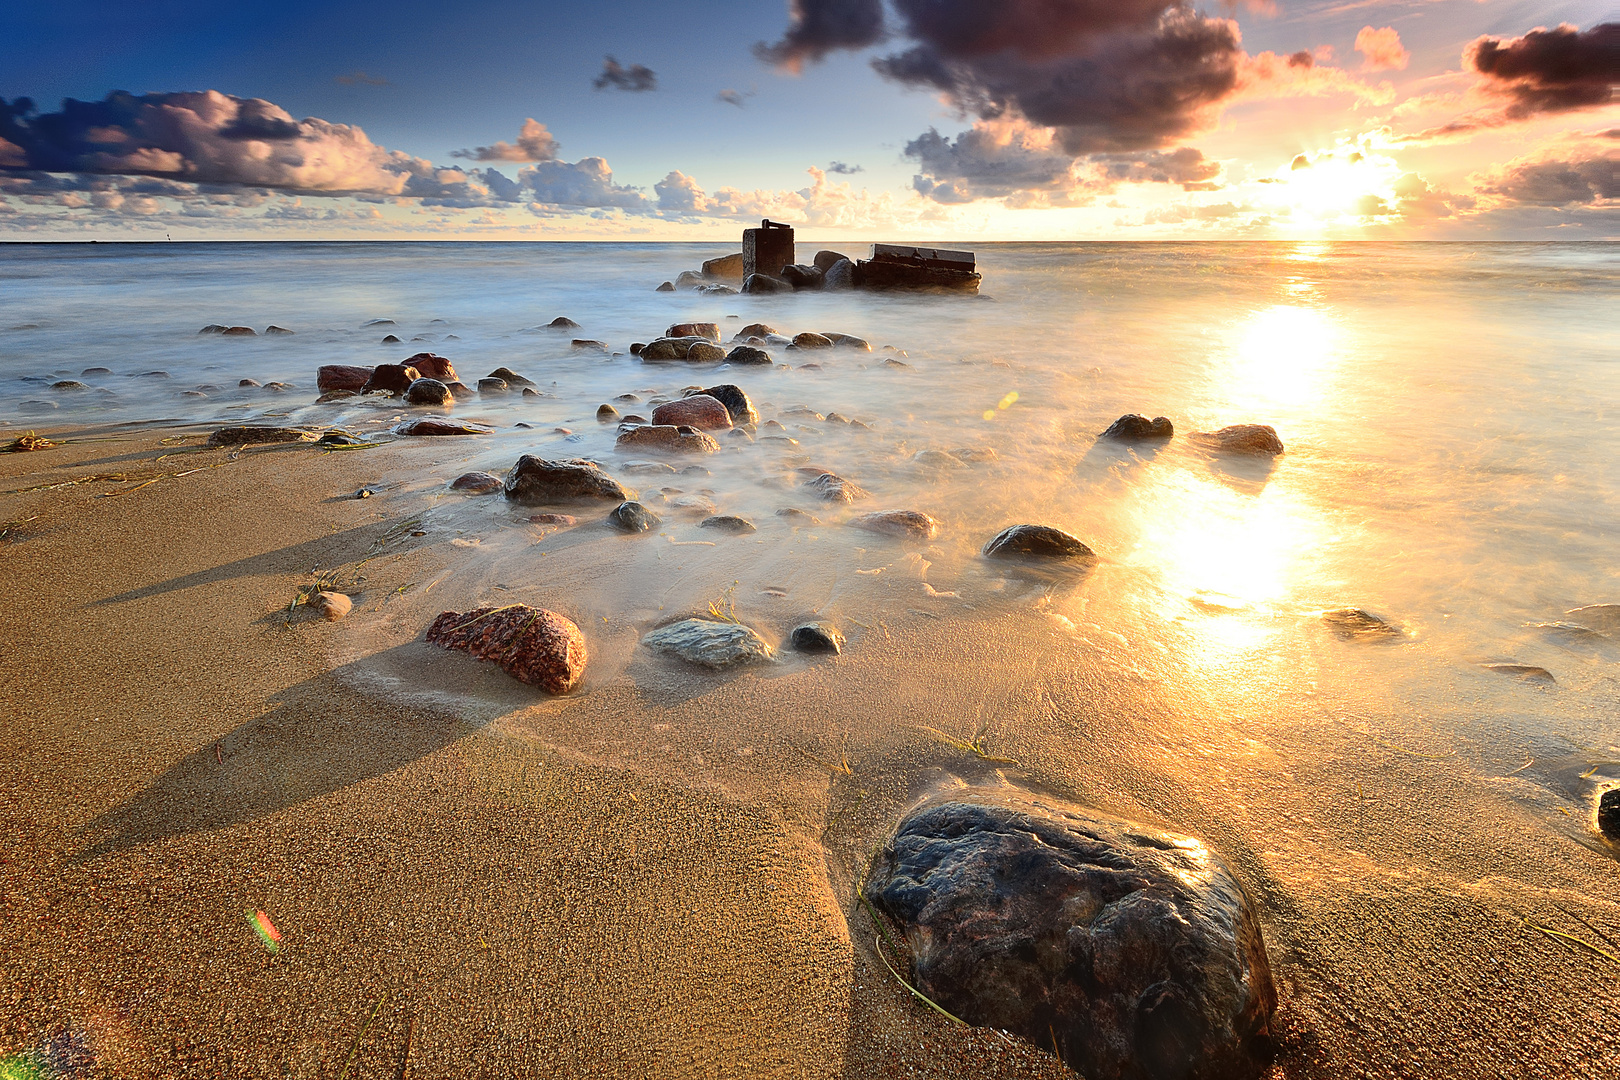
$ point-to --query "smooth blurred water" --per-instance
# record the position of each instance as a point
(1449, 410)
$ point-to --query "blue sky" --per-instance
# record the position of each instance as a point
(425, 81)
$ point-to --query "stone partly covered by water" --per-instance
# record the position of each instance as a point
(632, 517)
(683, 439)
(426, 391)
(1133, 427)
(249, 435)
(537, 481)
(395, 379)
(1243, 439)
(817, 637)
(1136, 951)
(530, 644)
(439, 425)
(329, 377)
(1036, 542)
(738, 406)
(835, 489)
(710, 643)
(1354, 624)
(477, 483)
(908, 524)
(696, 410)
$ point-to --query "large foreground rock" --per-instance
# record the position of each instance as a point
(1135, 951)
(530, 644)
(535, 481)
(710, 643)
(1036, 542)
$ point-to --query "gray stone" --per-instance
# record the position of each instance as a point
(825, 259)
(494, 386)
(689, 279)
(735, 400)
(632, 517)
(1133, 427)
(508, 376)
(538, 481)
(758, 284)
(801, 276)
(909, 524)
(817, 637)
(747, 354)
(253, 436)
(1608, 815)
(730, 523)
(838, 277)
(427, 392)
(1134, 953)
(808, 340)
(1355, 624)
(1036, 542)
(835, 489)
(709, 643)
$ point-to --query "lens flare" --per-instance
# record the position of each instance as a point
(269, 936)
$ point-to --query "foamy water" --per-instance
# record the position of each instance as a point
(1449, 413)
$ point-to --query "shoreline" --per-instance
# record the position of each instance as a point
(654, 876)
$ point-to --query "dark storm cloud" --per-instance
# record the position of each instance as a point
(818, 27)
(1584, 179)
(637, 78)
(844, 170)
(1548, 71)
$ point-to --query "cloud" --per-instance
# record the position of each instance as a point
(534, 143)
(1579, 179)
(818, 27)
(1549, 71)
(1381, 49)
(844, 170)
(636, 78)
(738, 98)
(587, 182)
(360, 78)
(821, 205)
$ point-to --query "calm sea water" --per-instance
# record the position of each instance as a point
(1451, 414)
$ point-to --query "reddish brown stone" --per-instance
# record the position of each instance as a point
(433, 367)
(331, 377)
(699, 411)
(708, 330)
(394, 378)
(438, 425)
(530, 644)
(477, 483)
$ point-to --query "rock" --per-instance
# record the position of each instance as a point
(255, 382)
(478, 483)
(96, 371)
(657, 468)
(716, 289)
(333, 395)
(1243, 439)
(682, 440)
(1601, 617)
(279, 387)
(509, 376)
(662, 349)
(1527, 672)
(433, 367)
(564, 520)
(393, 378)
(239, 331)
(747, 354)
(632, 517)
(562, 322)
(892, 362)
(629, 399)
(793, 513)
(494, 387)
(212, 328)
(690, 279)
(712, 644)
(1608, 814)
(276, 330)
(730, 523)
(536, 481)
(761, 284)
(708, 330)
(1133, 427)
(69, 385)
(755, 330)
(811, 341)
(693, 505)
(632, 418)
(1354, 624)
(817, 637)
(253, 436)
(339, 438)
(849, 341)
(606, 414)
(1135, 951)
(801, 276)
(702, 352)
(668, 286)
(332, 605)
(389, 340)
(529, 391)
(835, 489)
(185, 393)
(937, 459)
(428, 392)
(825, 260)
(377, 322)
(588, 345)
(838, 277)
(725, 268)
(910, 524)
(429, 426)
(530, 644)
(341, 377)
(1036, 542)
(700, 411)
(974, 454)
(933, 269)
(736, 402)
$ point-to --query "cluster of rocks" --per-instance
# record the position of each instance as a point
(768, 264)
(701, 343)
(240, 331)
(1260, 439)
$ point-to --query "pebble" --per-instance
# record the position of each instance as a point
(439, 425)
(1036, 542)
(478, 483)
(817, 637)
(730, 523)
(717, 645)
(632, 517)
(332, 605)
(1243, 439)
(910, 524)
(428, 392)
(536, 480)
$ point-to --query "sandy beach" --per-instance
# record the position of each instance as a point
(656, 875)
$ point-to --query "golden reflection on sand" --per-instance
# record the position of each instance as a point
(1281, 359)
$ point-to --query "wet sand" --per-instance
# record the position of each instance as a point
(656, 876)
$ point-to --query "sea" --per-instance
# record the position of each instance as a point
(1450, 414)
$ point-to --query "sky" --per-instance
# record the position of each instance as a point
(917, 120)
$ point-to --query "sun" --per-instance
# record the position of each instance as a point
(1341, 186)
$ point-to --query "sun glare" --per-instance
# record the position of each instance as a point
(1335, 187)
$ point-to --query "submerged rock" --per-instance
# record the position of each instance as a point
(681, 440)
(817, 637)
(1036, 542)
(697, 410)
(252, 436)
(910, 524)
(606, 414)
(478, 483)
(1526, 672)
(329, 377)
(1135, 951)
(562, 322)
(632, 517)
(212, 328)
(588, 345)
(1354, 624)
(1243, 439)
(707, 330)
(510, 377)
(731, 523)
(760, 284)
(738, 407)
(1608, 814)
(429, 426)
(494, 387)
(802, 276)
(1134, 427)
(835, 489)
(1601, 617)
(428, 392)
(755, 330)
(277, 330)
(239, 331)
(709, 643)
(849, 341)
(530, 644)
(395, 379)
(69, 384)
(808, 340)
(748, 354)
(668, 286)
(535, 480)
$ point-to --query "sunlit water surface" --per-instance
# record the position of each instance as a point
(1451, 414)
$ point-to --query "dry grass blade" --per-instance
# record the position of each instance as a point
(360, 1038)
(10, 530)
(974, 746)
(916, 993)
(335, 448)
(28, 441)
(1559, 935)
(1596, 765)
(724, 609)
